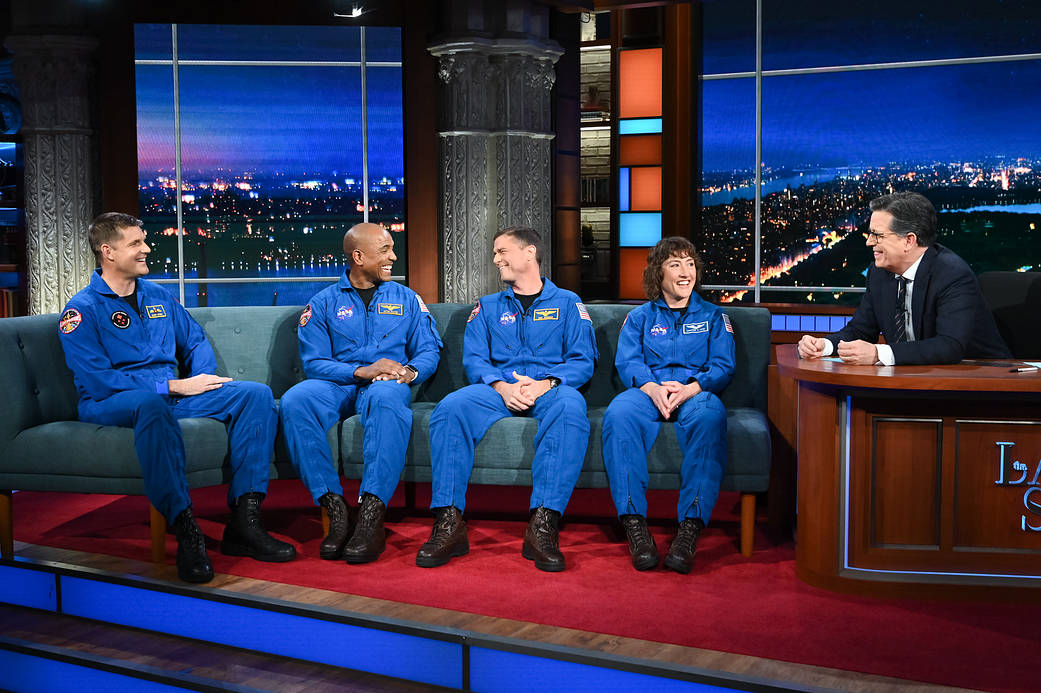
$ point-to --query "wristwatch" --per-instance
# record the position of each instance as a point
(553, 382)
(415, 371)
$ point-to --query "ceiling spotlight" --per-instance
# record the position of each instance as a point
(344, 9)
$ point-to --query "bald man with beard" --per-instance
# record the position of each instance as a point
(364, 342)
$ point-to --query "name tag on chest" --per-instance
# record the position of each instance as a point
(695, 327)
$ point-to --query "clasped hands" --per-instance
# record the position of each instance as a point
(385, 369)
(857, 353)
(669, 395)
(522, 394)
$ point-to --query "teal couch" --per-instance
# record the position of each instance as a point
(44, 448)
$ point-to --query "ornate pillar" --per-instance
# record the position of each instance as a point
(54, 74)
(495, 131)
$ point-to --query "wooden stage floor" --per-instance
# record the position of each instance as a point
(270, 672)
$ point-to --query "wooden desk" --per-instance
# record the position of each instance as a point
(926, 476)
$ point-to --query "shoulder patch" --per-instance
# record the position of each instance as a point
(474, 313)
(582, 312)
(726, 323)
(422, 306)
(306, 315)
(70, 320)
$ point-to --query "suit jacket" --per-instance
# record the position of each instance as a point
(950, 318)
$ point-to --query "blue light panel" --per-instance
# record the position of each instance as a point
(838, 322)
(792, 323)
(32, 588)
(777, 323)
(23, 672)
(639, 229)
(822, 323)
(623, 190)
(807, 323)
(400, 655)
(492, 671)
(639, 126)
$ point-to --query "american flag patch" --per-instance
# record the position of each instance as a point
(422, 306)
(582, 312)
(726, 323)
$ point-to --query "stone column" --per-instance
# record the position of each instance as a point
(495, 116)
(54, 74)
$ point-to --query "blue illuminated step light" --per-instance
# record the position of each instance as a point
(392, 647)
(639, 126)
(808, 323)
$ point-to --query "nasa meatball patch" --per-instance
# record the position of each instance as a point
(120, 319)
(70, 320)
(306, 315)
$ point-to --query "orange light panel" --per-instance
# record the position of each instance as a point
(637, 150)
(639, 83)
(645, 189)
(631, 262)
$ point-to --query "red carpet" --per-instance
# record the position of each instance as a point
(751, 606)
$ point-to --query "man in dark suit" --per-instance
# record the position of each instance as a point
(923, 298)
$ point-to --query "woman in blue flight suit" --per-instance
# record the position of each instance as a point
(676, 353)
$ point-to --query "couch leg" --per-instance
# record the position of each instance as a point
(157, 524)
(747, 523)
(6, 525)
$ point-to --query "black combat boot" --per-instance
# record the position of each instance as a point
(641, 546)
(447, 540)
(369, 538)
(541, 540)
(681, 554)
(339, 526)
(246, 536)
(193, 564)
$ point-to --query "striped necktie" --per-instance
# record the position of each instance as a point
(899, 311)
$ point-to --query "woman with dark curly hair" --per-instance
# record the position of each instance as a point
(675, 352)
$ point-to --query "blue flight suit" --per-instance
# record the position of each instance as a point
(656, 344)
(122, 363)
(553, 338)
(337, 336)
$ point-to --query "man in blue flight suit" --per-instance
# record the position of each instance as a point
(126, 339)
(676, 353)
(526, 350)
(363, 341)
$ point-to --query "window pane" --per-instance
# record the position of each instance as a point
(382, 44)
(811, 33)
(153, 41)
(250, 293)
(727, 136)
(728, 36)
(269, 43)
(965, 136)
(387, 157)
(156, 166)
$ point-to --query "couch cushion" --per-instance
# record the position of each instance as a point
(38, 457)
(255, 343)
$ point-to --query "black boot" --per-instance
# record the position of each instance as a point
(339, 524)
(540, 541)
(246, 536)
(681, 554)
(369, 539)
(193, 565)
(642, 549)
(447, 540)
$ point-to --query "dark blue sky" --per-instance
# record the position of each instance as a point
(292, 119)
(963, 112)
